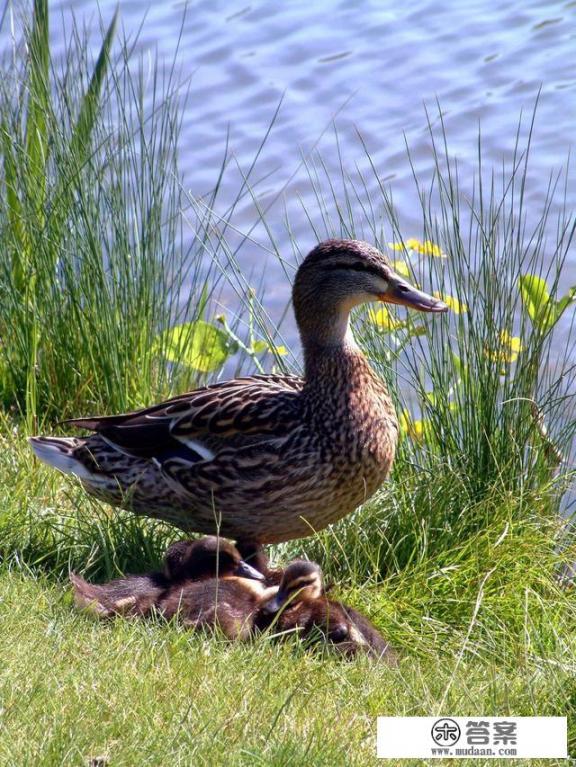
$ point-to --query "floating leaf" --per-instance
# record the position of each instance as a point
(198, 345)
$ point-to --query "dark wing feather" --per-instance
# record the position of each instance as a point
(251, 406)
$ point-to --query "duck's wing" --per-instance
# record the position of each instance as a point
(196, 425)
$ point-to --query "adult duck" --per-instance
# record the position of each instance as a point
(261, 458)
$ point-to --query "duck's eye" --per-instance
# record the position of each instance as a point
(338, 634)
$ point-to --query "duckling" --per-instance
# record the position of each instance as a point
(365, 637)
(254, 554)
(184, 561)
(300, 604)
(133, 595)
(205, 558)
(239, 606)
(301, 580)
(229, 604)
(228, 601)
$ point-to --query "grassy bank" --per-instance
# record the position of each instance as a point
(456, 560)
(481, 623)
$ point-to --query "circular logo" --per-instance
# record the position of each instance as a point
(445, 732)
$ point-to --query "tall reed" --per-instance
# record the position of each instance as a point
(96, 258)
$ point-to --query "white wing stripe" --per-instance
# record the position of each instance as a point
(196, 447)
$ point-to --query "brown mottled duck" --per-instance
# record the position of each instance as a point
(261, 458)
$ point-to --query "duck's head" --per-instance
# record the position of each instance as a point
(338, 275)
(350, 633)
(301, 580)
(206, 558)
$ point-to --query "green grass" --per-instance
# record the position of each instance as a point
(457, 558)
(480, 621)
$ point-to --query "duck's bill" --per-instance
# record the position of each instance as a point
(274, 604)
(401, 292)
(244, 570)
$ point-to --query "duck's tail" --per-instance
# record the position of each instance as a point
(90, 597)
(59, 452)
(115, 598)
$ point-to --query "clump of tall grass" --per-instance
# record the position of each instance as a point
(97, 263)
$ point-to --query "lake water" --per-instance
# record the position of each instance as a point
(369, 67)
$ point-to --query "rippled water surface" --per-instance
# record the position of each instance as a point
(370, 67)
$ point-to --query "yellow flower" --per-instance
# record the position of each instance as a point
(457, 306)
(385, 320)
(401, 268)
(416, 430)
(404, 422)
(413, 429)
(282, 351)
(426, 248)
(508, 350)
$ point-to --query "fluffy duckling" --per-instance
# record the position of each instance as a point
(132, 595)
(255, 555)
(300, 605)
(207, 557)
(230, 604)
(239, 606)
(184, 561)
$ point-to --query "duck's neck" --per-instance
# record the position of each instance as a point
(336, 359)
(331, 354)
